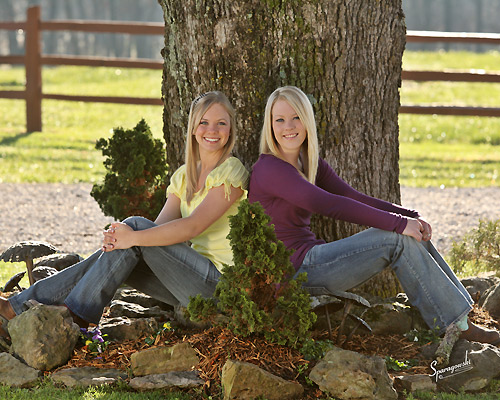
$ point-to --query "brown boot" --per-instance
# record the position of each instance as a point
(77, 320)
(6, 314)
(479, 334)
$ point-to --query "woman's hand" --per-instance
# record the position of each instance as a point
(118, 236)
(427, 232)
(414, 228)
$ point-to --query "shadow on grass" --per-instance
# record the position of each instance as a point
(13, 139)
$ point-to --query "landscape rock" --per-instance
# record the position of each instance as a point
(4, 345)
(160, 360)
(59, 261)
(412, 383)
(345, 374)
(181, 318)
(130, 295)
(43, 272)
(119, 308)
(472, 366)
(44, 336)
(491, 301)
(122, 328)
(389, 319)
(174, 379)
(242, 381)
(16, 374)
(478, 286)
(88, 376)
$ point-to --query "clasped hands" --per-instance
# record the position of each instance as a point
(419, 229)
(117, 236)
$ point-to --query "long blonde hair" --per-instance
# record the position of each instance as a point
(199, 107)
(303, 107)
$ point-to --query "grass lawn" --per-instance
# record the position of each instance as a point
(64, 151)
(449, 150)
(49, 391)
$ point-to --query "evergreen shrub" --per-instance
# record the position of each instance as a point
(258, 294)
(136, 180)
(478, 251)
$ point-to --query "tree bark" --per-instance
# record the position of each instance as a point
(344, 54)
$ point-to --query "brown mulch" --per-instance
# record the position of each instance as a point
(216, 345)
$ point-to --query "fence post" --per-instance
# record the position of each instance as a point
(33, 69)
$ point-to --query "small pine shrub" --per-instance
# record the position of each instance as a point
(137, 174)
(258, 294)
(478, 251)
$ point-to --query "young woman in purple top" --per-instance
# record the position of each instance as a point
(291, 182)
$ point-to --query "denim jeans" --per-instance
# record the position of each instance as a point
(170, 273)
(428, 281)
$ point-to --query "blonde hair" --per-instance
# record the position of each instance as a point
(303, 107)
(199, 107)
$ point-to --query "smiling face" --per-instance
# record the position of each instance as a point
(288, 129)
(212, 133)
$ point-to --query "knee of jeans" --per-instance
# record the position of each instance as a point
(138, 223)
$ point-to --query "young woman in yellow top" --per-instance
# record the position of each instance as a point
(201, 196)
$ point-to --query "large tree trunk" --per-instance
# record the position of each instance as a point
(346, 55)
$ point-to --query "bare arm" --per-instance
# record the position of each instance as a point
(177, 230)
(170, 211)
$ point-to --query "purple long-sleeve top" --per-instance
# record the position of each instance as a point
(290, 200)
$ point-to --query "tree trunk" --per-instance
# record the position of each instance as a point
(346, 55)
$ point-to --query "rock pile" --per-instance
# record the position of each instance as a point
(43, 339)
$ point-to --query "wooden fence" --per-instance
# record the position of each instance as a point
(33, 60)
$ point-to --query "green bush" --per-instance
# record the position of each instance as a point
(479, 250)
(258, 294)
(137, 174)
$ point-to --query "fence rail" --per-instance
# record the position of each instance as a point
(33, 60)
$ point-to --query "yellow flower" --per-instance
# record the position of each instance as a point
(88, 342)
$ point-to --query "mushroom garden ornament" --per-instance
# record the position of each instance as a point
(27, 251)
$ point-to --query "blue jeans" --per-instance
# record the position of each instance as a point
(173, 273)
(428, 281)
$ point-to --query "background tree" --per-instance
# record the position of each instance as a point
(345, 55)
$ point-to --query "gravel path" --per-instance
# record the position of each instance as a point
(70, 219)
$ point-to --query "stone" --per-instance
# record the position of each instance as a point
(181, 319)
(478, 286)
(88, 376)
(412, 383)
(130, 295)
(242, 381)
(4, 345)
(119, 308)
(471, 367)
(44, 336)
(59, 261)
(346, 374)
(43, 272)
(491, 301)
(121, 329)
(174, 379)
(16, 374)
(389, 319)
(159, 360)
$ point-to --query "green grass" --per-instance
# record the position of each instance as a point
(435, 150)
(64, 151)
(450, 165)
(48, 391)
(450, 150)
(456, 60)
